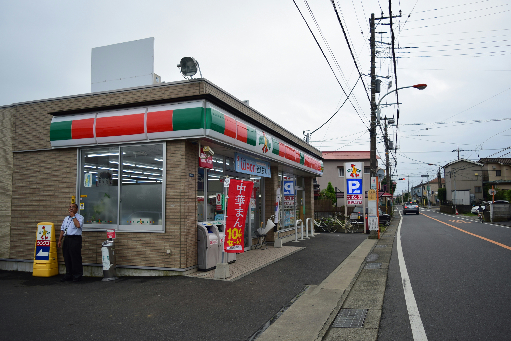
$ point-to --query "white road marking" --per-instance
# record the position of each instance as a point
(419, 334)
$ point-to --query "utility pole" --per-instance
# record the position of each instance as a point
(372, 129)
(387, 162)
(439, 176)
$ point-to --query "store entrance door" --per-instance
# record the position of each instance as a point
(255, 216)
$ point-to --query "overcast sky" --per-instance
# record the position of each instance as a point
(262, 51)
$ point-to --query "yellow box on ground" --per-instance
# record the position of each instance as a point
(45, 252)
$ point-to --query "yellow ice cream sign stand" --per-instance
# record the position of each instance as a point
(45, 253)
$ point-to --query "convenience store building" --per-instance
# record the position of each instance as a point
(132, 159)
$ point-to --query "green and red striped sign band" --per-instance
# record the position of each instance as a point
(76, 129)
(165, 122)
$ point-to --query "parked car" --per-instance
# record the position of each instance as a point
(475, 209)
(501, 202)
(357, 217)
(410, 208)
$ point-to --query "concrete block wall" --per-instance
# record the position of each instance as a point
(6, 169)
(43, 183)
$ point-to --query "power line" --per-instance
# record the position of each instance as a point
(310, 30)
(340, 109)
(455, 21)
(349, 47)
(450, 15)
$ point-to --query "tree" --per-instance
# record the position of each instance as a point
(442, 195)
(329, 193)
(406, 197)
(393, 187)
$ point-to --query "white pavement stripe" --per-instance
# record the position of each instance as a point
(419, 334)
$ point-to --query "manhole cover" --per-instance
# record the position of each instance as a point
(350, 318)
(381, 246)
(372, 257)
(373, 266)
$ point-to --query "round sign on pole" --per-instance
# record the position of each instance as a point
(492, 191)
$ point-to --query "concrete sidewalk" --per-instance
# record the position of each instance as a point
(306, 318)
(358, 283)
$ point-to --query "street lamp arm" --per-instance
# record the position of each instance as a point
(417, 86)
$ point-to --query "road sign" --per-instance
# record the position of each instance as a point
(492, 191)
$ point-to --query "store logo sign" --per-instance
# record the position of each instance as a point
(289, 187)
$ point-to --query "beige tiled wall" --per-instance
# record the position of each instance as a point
(6, 170)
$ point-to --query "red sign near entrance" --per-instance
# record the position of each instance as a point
(237, 207)
(205, 160)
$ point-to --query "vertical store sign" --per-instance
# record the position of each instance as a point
(372, 210)
(237, 208)
(353, 183)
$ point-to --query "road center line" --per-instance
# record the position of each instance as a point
(470, 233)
(419, 334)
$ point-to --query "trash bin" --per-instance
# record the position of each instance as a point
(108, 256)
(231, 257)
(207, 246)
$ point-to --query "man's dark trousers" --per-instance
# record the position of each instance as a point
(72, 251)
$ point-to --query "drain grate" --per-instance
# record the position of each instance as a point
(350, 318)
(373, 266)
(372, 257)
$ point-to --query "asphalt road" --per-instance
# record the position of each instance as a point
(461, 282)
(165, 308)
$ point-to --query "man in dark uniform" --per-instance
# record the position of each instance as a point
(71, 230)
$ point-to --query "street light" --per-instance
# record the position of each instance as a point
(416, 86)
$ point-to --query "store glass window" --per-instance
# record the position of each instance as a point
(99, 185)
(141, 188)
(215, 188)
(132, 201)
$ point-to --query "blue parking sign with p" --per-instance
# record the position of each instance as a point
(354, 186)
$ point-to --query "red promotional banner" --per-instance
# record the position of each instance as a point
(205, 160)
(237, 208)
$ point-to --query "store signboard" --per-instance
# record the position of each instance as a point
(247, 165)
(354, 187)
(289, 201)
(237, 208)
(289, 187)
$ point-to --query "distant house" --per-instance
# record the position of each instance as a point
(421, 190)
(334, 172)
(461, 176)
(497, 172)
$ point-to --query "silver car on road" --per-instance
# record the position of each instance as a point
(410, 207)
